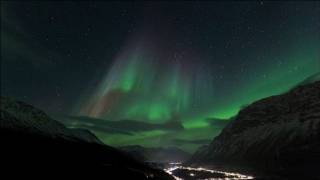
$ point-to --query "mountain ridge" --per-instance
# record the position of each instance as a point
(32, 140)
(278, 134)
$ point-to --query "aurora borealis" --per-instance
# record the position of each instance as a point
(139, 86)
(156, 63)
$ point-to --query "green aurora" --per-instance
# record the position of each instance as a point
(139, 87)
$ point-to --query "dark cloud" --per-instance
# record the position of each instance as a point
(127, 127)
(103, 129)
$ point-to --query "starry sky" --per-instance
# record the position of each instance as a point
(155, 73)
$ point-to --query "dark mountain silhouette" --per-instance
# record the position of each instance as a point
(34, 143)
(195, 141)
(278, 134)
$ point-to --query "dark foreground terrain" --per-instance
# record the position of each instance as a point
(32, 143)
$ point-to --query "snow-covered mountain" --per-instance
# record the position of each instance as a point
(20, 116)
(278, 133)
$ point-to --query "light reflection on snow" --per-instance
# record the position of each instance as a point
(228, 175)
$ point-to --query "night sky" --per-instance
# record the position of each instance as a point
(101, 65)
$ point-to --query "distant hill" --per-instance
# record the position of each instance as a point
(156, 154)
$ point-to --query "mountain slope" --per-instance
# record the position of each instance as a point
(30, 140)
(279, 134)
(20, 116)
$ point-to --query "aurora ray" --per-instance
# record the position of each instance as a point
(140, 86)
